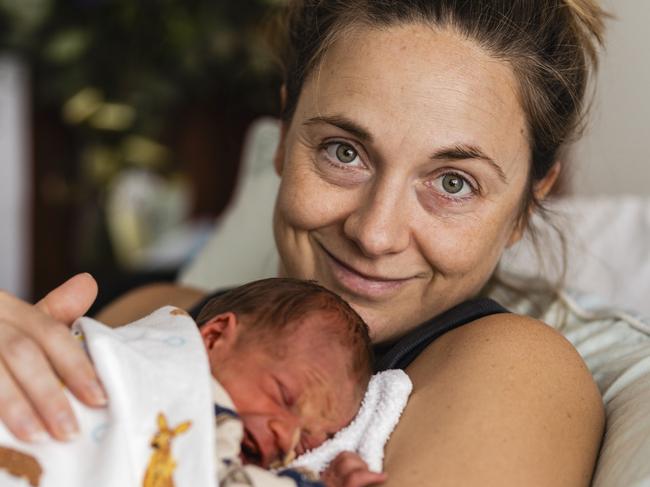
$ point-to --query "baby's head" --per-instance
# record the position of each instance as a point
(295, 359)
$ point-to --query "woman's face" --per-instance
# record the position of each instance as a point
(403, 170)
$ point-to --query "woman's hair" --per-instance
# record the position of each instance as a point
(275, 307)
(551, 46)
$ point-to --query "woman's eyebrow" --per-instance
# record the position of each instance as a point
(343, 123)
(464, 151)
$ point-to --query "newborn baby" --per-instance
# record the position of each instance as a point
(292, 362)
(289, 363)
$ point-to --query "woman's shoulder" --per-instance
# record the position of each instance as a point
(525, 347)
(503, 331)
(504, 390)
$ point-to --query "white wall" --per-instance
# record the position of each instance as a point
(14, 178)
(614, 156)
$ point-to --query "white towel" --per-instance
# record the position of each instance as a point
(368, 433)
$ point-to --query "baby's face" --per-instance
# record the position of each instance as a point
(292, 392)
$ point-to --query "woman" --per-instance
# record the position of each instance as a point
(418, 137)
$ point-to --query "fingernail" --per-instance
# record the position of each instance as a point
(67, 425)
(96, 393)
(32, 431)
(38, 436)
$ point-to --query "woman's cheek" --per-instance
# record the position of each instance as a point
(462, 245)
(307, 202)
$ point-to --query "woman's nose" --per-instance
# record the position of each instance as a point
(379, 225)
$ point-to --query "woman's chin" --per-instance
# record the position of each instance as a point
(381, 324)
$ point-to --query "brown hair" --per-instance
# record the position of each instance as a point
(276, 306)
(550, 44)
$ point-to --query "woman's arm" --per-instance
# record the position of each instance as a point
(141, 301)
(503, 401)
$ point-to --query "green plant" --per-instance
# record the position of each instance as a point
(116, 70)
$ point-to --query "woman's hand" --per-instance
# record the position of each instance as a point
(38, 354)
(349, 470)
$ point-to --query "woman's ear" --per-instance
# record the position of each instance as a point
(544, 186)
(220, 333)
(280, 152)
(518, 231)
(541, 190)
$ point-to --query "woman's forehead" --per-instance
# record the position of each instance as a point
(411, 80)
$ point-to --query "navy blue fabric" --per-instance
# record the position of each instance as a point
(219, 410)
(299, 479)
(401, 353)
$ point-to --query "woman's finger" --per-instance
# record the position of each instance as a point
(72, 365)
(16, 412)
(61, 349)
(38, 354)
(25, 362)
(71, 299)
(65, 304)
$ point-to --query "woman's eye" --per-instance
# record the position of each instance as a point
(455, 185)
(343, 153)
(452, 184)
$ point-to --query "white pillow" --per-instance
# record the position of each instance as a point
(608, 255)
(242, 248)
(608, 248)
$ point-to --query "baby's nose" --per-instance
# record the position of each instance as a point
(287, 434)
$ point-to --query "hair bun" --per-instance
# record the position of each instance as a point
(589, 18)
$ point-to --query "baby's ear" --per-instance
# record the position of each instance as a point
(220, 332)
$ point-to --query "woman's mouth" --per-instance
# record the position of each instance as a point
(360, 284)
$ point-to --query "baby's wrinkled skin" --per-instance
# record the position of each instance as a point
(292, 392)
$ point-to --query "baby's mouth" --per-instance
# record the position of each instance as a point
(250, 450)
(290, 456)
(251, 453)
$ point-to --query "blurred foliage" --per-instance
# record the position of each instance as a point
(120, 77)
(117, 69)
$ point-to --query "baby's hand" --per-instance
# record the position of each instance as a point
(349, 470)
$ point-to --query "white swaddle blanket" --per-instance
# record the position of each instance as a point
(152, 366)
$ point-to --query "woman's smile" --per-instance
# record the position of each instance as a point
(347, 278)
